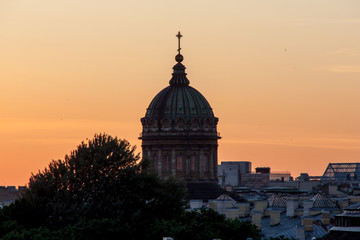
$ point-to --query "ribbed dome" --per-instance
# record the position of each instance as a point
(179, 100)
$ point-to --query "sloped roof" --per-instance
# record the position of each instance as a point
(336, 235)
(321, 201)
(353, 207)
(352, 211)
(208, 191)
(341, 172)
(277, 201)
(225, 197)
(287, 227)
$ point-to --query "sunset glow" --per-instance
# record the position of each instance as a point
(283, 77)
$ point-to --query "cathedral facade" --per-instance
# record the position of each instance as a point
(180, 131)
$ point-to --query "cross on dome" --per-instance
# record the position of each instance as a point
(179, 36)
(179, 58)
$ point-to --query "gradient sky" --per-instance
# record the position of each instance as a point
(282, 76)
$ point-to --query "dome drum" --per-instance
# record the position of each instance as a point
(206, 126)
(190, 162)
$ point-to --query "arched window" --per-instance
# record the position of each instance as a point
(155, 162)
(207, 125)
(166, 163)
(180, 163)
(193, 163)
(195, 125)
(180, 124)
(154, 125)
(205, 163)
(165, 124)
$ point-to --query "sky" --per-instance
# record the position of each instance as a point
(282, 76)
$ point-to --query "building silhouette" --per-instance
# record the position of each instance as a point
(342, 172)
(180, 131)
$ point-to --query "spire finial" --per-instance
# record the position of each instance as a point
(179, 58)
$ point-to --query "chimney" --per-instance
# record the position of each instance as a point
(325, 217)
(307, 222)
(300, 233)
(220, 206)
(260, 206)
(244, 209)
(274, 217)
(231, 213)
(307, 205)
(291, 206)
(213, 205)
(256, 219)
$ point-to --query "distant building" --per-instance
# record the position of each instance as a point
(238, 173)
(304, 177)
(9, 194)
(280, 176)
(263, 170)
(255, 180)
(347, 224)
(342, 172)
(229, 173)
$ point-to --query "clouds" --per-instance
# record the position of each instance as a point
(346, 55)
(346, 69)
(329, 143)
(347, 52)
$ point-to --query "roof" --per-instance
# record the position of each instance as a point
(209, 191)
(352, 211)
(353, 207)
(341, 172)
(277, 201)
(348, 233)
(321, 201)
(225, 197)
(287, 228)
(179, 100)
(9, 194)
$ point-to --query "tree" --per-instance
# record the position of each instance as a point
(102, 190)
(205, 224)
(101, 179)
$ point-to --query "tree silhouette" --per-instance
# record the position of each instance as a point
(102, 190)
(102, 178)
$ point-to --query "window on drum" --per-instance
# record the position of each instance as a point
(205, 163)
(193, 163)
(166, 163)
(180, 163)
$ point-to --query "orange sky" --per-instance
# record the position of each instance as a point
(282, 76)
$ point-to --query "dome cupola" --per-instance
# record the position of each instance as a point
(179, 103)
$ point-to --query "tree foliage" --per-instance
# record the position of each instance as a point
(102, 178)
(102, 190)
(205, 224)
